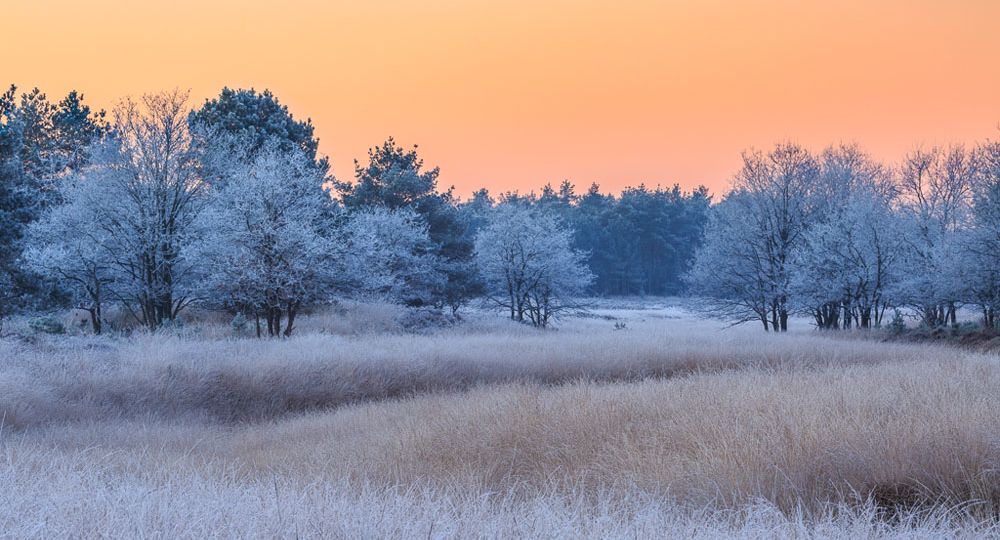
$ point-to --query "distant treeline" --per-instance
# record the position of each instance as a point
(158, 206)
(640, 242)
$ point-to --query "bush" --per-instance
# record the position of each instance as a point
(422, 320)
(897, 325)
(240, 324)
(47, 325)
(967, 328)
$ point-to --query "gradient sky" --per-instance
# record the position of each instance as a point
(512, 94)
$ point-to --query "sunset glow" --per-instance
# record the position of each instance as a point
(510, 95)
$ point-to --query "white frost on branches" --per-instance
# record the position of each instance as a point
(263, 250)
(527, 261)
(388, 255)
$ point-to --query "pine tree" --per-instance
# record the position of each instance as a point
(394, 178)
(40, 144)
(259, 118)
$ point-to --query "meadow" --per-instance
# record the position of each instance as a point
(637, 420)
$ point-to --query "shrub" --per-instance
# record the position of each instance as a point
(47, 325)
(240, 323)
(422, 320)
(897, 325)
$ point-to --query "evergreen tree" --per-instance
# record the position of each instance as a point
(40, 143)
(259, 118)
(14, 203)
(77, 129)
(394, 178)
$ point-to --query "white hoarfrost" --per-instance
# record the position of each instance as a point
(528, 263)
(388, 255)
(263, 250)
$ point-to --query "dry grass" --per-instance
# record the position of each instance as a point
(489, 430)
(71, 500)
(232, 380)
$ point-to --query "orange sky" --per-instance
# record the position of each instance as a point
(511, 94)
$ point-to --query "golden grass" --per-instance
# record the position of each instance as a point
(227, 380)
(479, 431)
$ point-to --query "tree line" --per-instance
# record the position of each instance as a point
(155, 207)
(846, 239)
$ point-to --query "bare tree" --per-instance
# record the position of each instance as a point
(848, 263)
(67, 247)
(848, 259)
(768, 210)
(143, 193)
(732, 274)
(527, 261)
(979, 281)
(935, 188)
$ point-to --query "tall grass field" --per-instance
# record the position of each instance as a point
(638, 421)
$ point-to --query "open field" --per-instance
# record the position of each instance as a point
(672, 426)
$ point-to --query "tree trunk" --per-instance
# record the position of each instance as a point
(275, 321)
(95, 320)
(292, 310)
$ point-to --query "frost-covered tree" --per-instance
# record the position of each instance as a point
(388, 255)
(848, 260)
(935, 189)
(395, 177)
(263, 248)
(755, 235)
(143, 192)
(528, 263)
(848, 265)
(731, 269)
(69, 246)
(979, 279)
